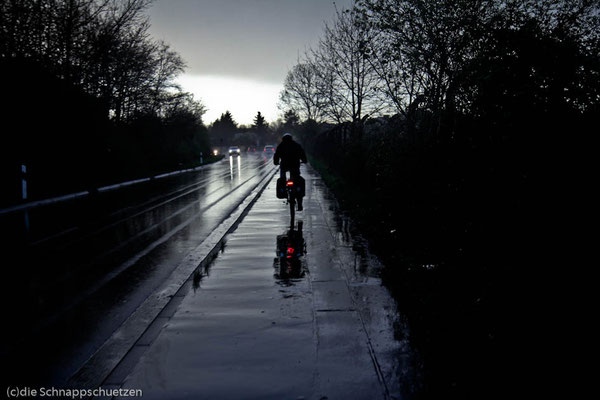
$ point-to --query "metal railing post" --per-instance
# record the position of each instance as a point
(24, 196)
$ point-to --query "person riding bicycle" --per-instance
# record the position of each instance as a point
(289, 153)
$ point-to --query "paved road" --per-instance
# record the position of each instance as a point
(174, 288)
(251, 326)
(86, 265)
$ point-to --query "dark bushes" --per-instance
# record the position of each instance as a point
(68, 143)
(461, 189)
(456, 224)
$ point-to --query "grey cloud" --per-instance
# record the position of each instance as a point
(252, 39)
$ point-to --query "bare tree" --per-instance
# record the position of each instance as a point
(102, 46)
(423, 46)
(400, 81)
(347, 78)
(167, 65)
(301, 91)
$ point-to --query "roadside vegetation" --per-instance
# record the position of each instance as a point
(435, 122)
(90, 98)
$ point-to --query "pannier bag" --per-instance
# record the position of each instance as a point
(300, 186)
(281, 194)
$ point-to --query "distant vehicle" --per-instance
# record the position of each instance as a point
(269, 149)
(234, 151)
(251, 149)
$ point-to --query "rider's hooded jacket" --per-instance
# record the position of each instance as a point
(289, 154)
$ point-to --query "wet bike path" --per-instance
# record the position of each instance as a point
(249, 326)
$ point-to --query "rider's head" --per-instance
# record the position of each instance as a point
(286, 136)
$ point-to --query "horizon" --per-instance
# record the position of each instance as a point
(219, 94)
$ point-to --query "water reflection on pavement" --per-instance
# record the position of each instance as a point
(314, 322)
(290, 249)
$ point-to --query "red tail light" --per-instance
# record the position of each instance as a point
(290, 252)
(290, 183)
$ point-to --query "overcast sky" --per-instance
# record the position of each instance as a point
(239, 51)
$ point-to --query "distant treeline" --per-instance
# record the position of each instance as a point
(89, 97)
(225, 131)
(446, 115)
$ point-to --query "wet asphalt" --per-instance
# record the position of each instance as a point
(83, 267)
(253, 325)
(178, 287)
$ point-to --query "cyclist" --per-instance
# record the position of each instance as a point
(289, 153)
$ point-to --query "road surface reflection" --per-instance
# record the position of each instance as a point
(290, 248)
(235, 171)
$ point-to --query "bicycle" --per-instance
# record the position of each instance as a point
(293, 189)
(291, 199)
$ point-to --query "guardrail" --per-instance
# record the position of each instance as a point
(72, 196)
